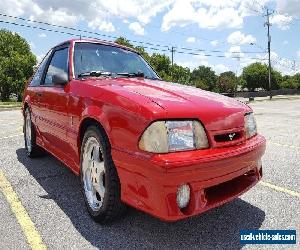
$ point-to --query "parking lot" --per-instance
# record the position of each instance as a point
(51, 198)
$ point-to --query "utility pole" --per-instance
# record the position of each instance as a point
(172, 56)
(294, 66)
(268, 24)
(172, 60)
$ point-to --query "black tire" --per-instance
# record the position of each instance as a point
(34, 150)
(112, 206)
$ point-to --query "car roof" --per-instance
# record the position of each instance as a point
(109, 43)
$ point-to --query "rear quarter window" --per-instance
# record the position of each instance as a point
(37, 77)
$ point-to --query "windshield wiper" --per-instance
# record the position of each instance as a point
(138, 74)
(152, 78)
(95, 74)
(113, 74)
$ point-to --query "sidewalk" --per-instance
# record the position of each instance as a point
(267, 98)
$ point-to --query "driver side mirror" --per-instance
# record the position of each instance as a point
(60, 79)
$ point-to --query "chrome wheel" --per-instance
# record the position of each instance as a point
(28, 131)
(93, 172)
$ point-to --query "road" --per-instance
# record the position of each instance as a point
(50, 196)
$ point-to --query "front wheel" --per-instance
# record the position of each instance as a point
(99, 179)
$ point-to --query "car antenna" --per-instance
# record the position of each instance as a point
(80, 53)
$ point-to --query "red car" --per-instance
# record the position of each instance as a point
(170, 150)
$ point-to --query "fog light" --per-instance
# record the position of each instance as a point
(183, 196)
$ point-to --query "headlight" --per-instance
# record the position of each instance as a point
(250, 125)
(171, 136)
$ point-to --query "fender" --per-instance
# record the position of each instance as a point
(96, 113)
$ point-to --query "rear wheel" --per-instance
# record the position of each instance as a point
(99, 178)
(32, 149)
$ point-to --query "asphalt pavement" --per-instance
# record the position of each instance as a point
(50, 196)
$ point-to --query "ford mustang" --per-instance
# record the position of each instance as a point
(170, 150)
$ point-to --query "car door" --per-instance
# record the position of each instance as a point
(34, 91)
(54, 103)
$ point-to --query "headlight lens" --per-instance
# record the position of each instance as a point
(250, 125)
(171, 136)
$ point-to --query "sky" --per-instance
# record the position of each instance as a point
(221, 34)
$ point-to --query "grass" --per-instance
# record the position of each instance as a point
(10, 104)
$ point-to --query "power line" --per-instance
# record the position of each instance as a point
(78, 30)
(220, 51)
(146, 47)
(115, 37)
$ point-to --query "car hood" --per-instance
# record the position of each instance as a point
(180, 101)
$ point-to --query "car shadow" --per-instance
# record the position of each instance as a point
(215, 229)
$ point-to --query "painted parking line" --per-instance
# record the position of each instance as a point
(280, 189)
(33, 237)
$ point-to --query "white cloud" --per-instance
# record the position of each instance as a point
(298, 53)
(191, 39)
(288, 7)
(210, 14)
(234, 51)
(102, 25)
(137, 28)
(238, 37)
(214, 43)
(69, 13)
(220, 68)
(55, 16)
(282, 21)
(42, 35)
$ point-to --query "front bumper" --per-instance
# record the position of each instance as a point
(215, 176)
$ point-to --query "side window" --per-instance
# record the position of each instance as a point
(36, 79)
(58, 65)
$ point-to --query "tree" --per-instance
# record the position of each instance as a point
(16, 64)
(227, 82)
(123, 41)
(205, 78)
(256, 75)
(290, 82)
(180, 74)
(296, 79)
(162, 65)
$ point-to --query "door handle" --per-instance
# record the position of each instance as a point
(39, 94)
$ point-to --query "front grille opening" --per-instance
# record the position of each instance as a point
(228, 137)
(225, 190)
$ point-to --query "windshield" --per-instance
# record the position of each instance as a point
(89, 57)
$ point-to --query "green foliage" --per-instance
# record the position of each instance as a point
(124, 41)
(255, 76)
(205, 78)
(162, 65)
(180, 74)
(227, 82)
(16, 64)
(290, 82)
(296, 79)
